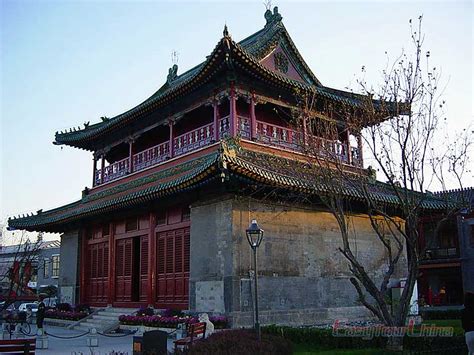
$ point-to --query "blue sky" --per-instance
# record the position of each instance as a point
(64, 63)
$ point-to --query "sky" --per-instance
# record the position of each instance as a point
(64, 63)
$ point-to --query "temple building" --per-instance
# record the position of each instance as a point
(177, 179)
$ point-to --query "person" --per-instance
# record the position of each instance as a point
(467, 316)
(41, 312)
(442, 295)
(430, 296)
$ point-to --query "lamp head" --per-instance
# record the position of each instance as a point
(254, 234)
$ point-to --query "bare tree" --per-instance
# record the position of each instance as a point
(17, 265)
(399, 123)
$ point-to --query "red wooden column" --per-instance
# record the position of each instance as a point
(102, 168)
(253, 118)
(215, 106)
(171, 145)
(359, 147)
(83, 268)
(233, 112)
(151, 287)
(94, 168)
(111, 261)
(348, 146)
(305, 132)
(130, 155)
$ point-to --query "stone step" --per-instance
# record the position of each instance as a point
(115, 312)
(96, 322)
(105, 317)
(84, 328)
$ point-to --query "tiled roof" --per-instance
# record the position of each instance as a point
(258, 167)
(12, 249)
(463, 196)
(247, 54)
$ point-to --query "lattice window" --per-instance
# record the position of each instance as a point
(55, 265)
(144, 256)
(106, 260)
(105, 229)
(161, 217)
(120, 261)
(128, 258)
(178, 254)
(186, 214)
(161, 256)
(186, 250)
(169, 253)
(131, 224)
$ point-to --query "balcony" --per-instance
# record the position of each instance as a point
(269, 134)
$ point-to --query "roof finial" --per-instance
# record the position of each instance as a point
(174, 57)
(269, 16)
(226, 31)
(267, 4)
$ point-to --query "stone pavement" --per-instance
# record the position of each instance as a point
(78, 346)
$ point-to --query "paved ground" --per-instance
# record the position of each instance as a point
(78, 346)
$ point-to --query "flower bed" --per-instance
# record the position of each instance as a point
(68, 315)
(155, 321)
(160, 321)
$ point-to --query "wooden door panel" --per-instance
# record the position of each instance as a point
(97, 272)
(123, 268)
(172, 258)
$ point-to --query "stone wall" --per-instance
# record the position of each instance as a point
(302, 274)
(68, 270)
(465, 230)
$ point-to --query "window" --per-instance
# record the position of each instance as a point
(186, 214)
(55, 265)
(105, 229)
(45, 268)
(472, 236)
(131, 224)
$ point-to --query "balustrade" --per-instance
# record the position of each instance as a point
(265, 132)
(115, 170)
(282, 136)
(194, 139)
(224, 126)
(151, 156)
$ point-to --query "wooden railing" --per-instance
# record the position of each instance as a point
(194, 139)
(278, 135)
(267, 133)
(290, 139)
(112, 171)
(224, 126)
(151, 156)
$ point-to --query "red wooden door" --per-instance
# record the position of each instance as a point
(173, 268)
(97, 270)
(123, 270)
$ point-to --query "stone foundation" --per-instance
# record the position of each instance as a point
(300, 317)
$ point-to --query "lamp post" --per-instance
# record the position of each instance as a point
(254, 237)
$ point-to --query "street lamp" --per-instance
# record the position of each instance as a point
(254, 237)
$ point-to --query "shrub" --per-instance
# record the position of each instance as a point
(220, 322)
(428, 314)
(155, 321)
(323, 338)
(241, 342)
(145, 312)
(64, 307)
(82, 308)
(171, 312)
